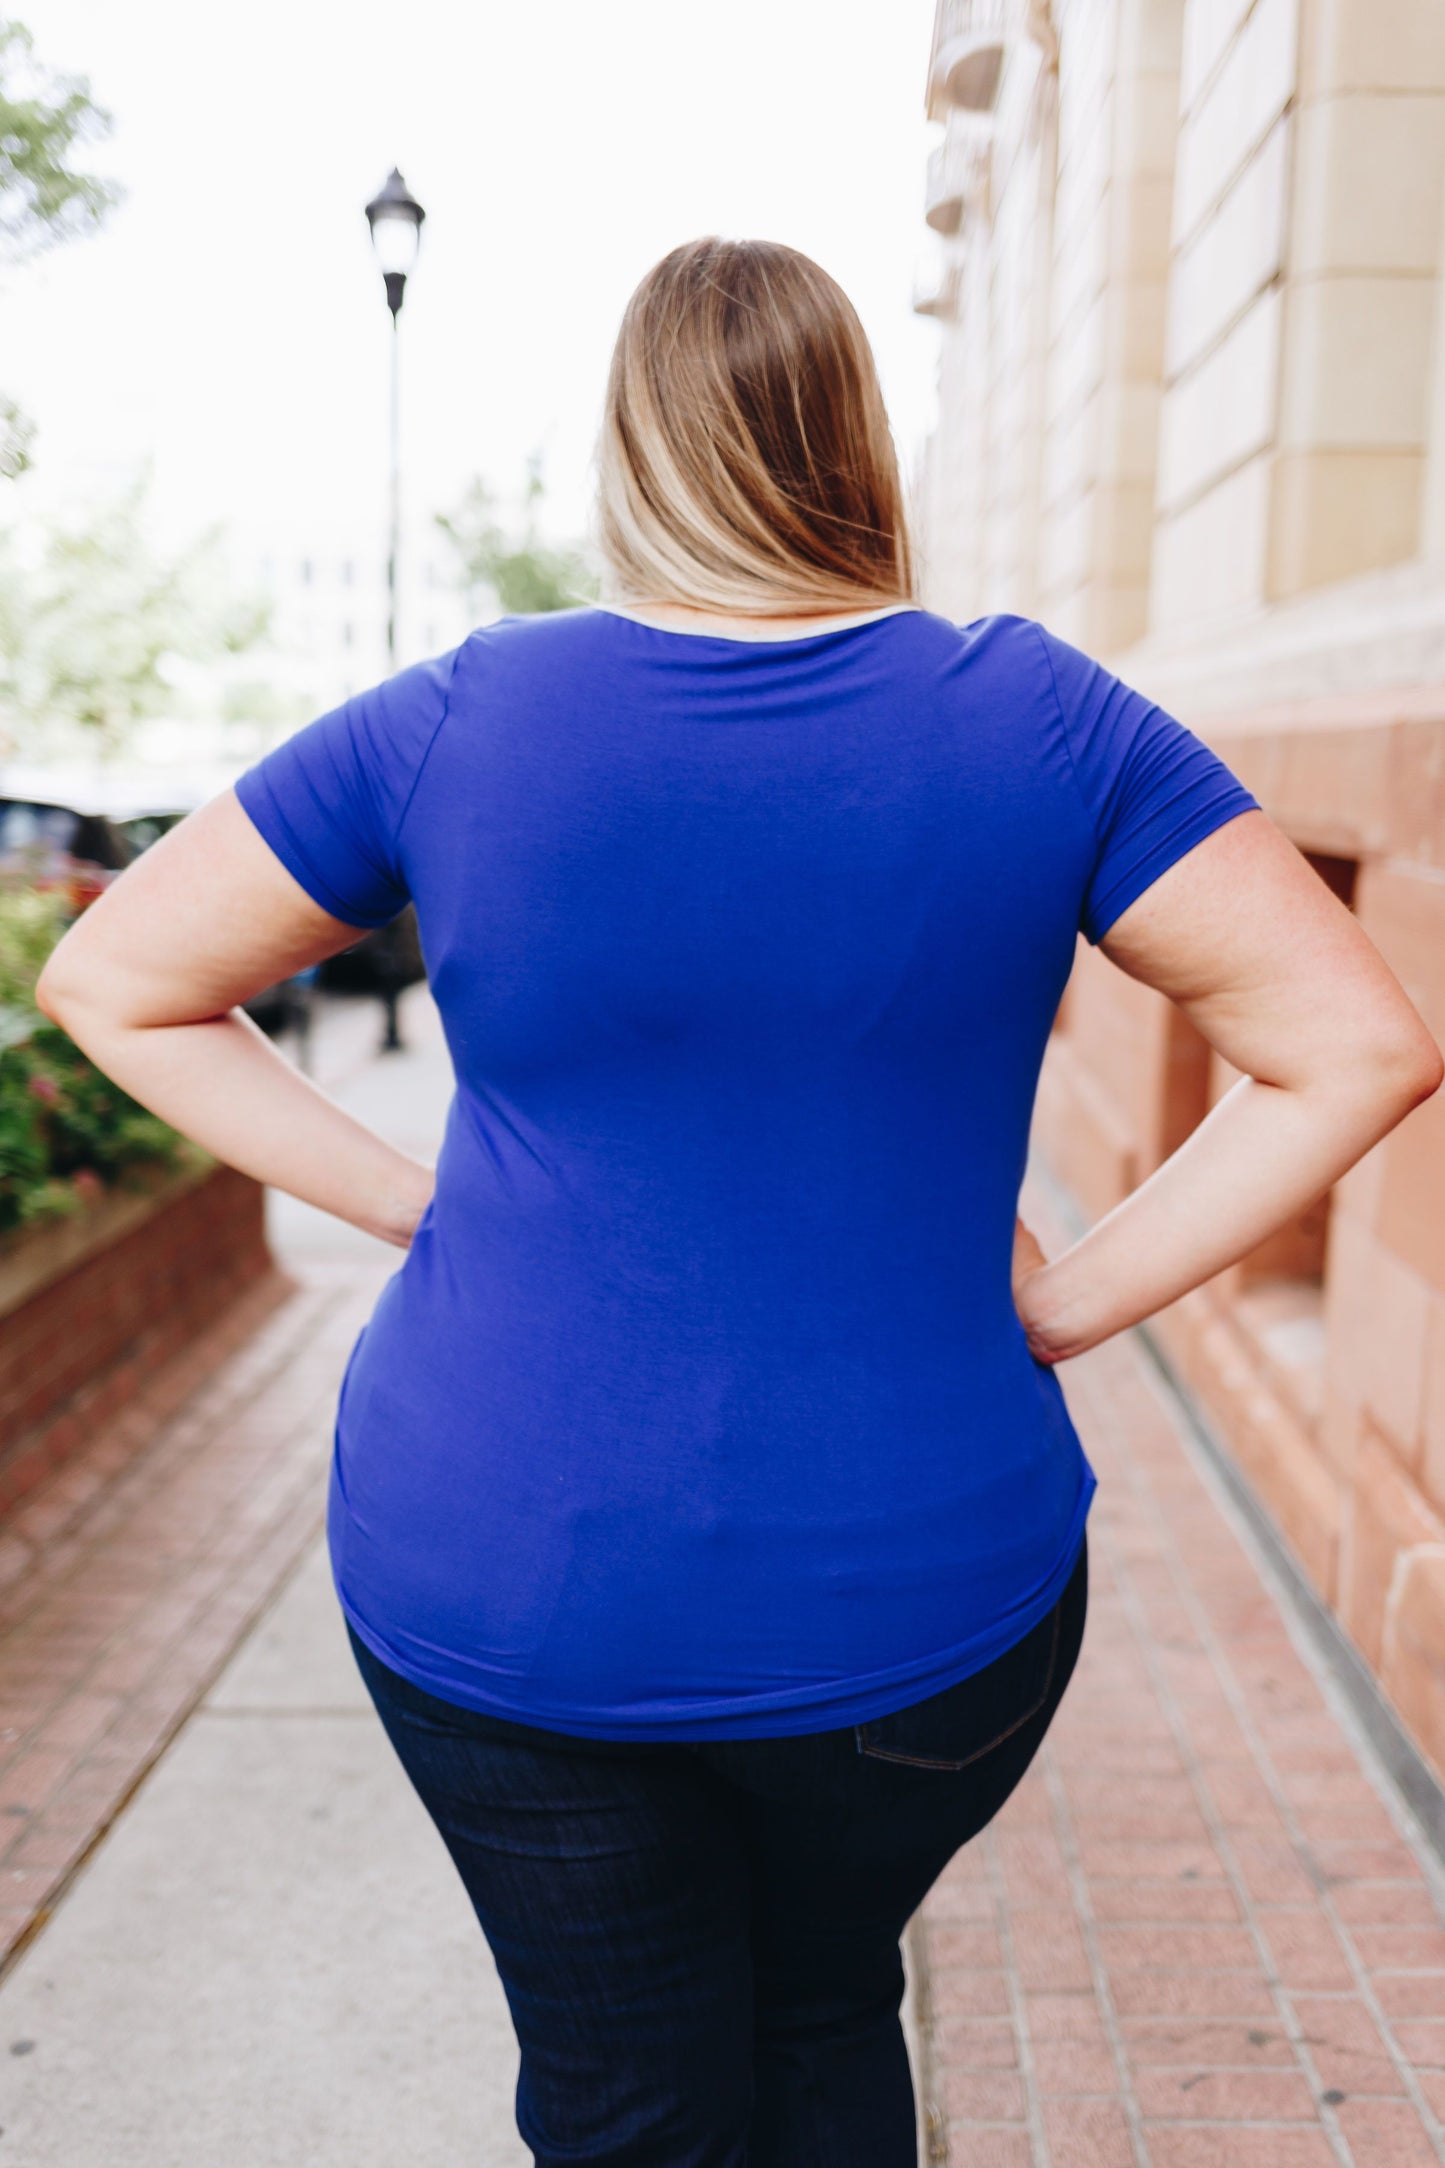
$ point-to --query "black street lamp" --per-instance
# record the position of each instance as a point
(395, 217)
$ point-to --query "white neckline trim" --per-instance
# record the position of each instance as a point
(691, 632)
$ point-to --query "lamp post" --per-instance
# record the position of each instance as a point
(395, 217)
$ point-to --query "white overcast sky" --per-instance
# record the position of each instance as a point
(228, 322)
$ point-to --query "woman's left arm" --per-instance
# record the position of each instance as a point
(147, 982)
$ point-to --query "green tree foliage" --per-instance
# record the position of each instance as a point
(44, 118)
(91, 625)
(67, 1133)
(45, 196)
(17, 434)
(524, 573)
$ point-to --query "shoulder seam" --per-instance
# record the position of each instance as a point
(1088, 810)
(426, 751)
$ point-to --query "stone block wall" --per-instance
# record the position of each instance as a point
(1189, 370)
(1322, 1358)
(1192, 415)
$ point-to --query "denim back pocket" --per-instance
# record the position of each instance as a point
(967, 1721)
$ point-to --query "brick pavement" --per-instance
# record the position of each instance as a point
(131, 1575)
(1199, 1936)
(130, 1578)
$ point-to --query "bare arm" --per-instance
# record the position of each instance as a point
(146, 982)
(1282, 981)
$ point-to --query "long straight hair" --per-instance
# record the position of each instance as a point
(746, 462)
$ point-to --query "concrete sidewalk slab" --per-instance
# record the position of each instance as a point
(270, 1959)
(128, 1578)
(298, 1657)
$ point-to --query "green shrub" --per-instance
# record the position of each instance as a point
(67, 1134)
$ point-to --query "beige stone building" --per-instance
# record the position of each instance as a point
(1192, 415)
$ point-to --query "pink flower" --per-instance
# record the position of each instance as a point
(87, 1184)
(46, 1090)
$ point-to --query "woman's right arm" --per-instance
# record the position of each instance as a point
(1283, 982)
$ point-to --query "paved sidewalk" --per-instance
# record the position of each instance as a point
(128, 1580)
(267, 1957)
(270, 1962)
(1202, 1934)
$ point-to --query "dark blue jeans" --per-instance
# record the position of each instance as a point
(699, 1942)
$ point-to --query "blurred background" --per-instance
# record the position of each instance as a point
(215, 333)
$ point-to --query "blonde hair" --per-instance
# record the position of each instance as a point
(746, 462)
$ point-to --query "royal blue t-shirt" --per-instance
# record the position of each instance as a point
(699, 1407)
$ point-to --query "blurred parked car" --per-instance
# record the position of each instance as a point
(60, 846)
(56, 841)
(385, 961)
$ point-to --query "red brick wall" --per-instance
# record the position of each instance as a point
(77, 1350)
(1322, 1359)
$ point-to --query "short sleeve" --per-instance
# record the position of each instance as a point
(1151, 788)
(330, 800)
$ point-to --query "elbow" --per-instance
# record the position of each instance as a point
(60, 993)
(1432, 1074)
(50, 995)
(1378, 1071)
(92, 999)
(1411, 1070)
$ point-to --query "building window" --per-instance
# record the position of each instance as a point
(1338, 874)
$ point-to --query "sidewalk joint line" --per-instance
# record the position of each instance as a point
(310, 1715)
(180, 1716)
(1088, 1927)
(1018, 2005)
(1288, 2018)
(933, 2147)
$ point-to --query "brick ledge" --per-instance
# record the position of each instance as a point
(34, 1258)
